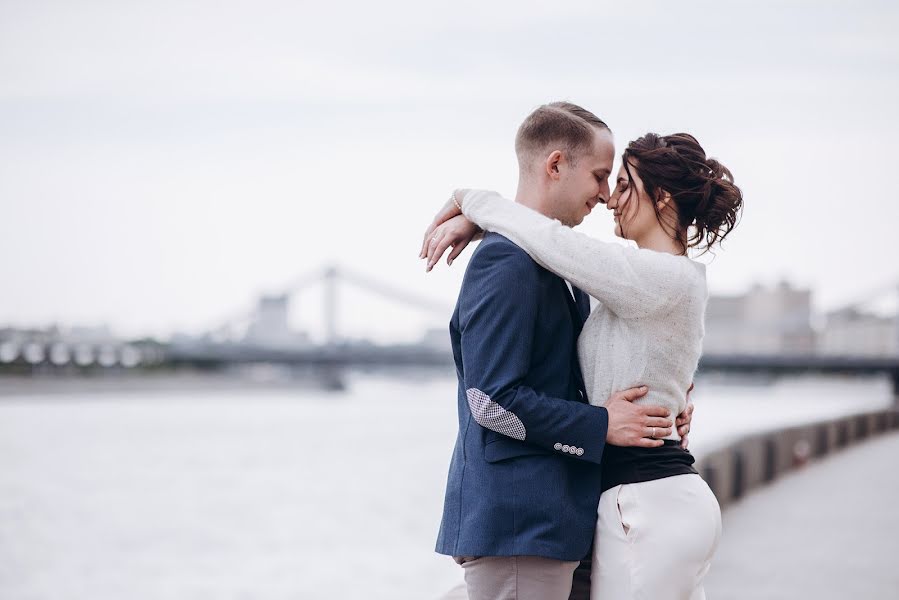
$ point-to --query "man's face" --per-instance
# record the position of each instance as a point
(584, 184)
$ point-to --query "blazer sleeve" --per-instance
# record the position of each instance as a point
(630, 282)
(497, 317)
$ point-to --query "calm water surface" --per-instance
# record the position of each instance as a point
(273, 494)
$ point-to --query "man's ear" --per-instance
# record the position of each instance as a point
(552, 164)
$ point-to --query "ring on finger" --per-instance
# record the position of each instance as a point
(653, 433)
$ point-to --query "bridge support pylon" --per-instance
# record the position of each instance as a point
(330, 277)
(895, 378)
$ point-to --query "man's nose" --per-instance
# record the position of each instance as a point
(604, 192)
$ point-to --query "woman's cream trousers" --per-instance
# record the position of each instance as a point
(655, 540)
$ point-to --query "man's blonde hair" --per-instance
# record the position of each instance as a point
(567, 125)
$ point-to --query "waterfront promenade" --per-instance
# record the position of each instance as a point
(828, 531)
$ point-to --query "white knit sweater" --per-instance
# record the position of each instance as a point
(648, 325)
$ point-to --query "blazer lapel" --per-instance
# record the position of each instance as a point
(583, 304)
(578, 315)
(573, 309)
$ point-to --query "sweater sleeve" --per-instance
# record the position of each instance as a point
(630, 282)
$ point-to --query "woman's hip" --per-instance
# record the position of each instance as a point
(678, 515)
(655, 539)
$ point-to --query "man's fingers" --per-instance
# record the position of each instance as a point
(658, 422)
(687, 415)
(683, 430)
(633, 393)
(457, 250)
(656, 432)
(646, 442)
(684, 442)
(655, 411)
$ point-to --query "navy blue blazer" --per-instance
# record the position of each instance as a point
(524, 479)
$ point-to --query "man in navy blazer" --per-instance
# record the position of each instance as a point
(524, 480)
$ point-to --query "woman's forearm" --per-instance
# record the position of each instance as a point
(631, 282)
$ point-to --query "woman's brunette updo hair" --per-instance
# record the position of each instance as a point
(701, 188)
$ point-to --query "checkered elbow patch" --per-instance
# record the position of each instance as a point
(493, 416)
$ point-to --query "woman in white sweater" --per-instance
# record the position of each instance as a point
(659, 523)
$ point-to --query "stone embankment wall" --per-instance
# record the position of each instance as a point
(753, 461)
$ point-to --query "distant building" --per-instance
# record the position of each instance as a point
(436, 339)
(761, 321)
(856, 333)
(88, 334)
(271, 326)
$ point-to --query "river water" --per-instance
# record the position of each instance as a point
(284, 493)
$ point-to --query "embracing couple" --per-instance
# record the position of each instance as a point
(569, 477)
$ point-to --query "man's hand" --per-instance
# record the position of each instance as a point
(633, 425)
(684, 420)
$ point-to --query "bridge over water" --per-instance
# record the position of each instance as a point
(228, 341)
(335, 354)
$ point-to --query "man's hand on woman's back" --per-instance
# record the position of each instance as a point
(685, 420)
(636, 425)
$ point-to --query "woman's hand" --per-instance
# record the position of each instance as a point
(449, 210)
(457, 233)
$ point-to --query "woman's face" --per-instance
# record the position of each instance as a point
(633, 210)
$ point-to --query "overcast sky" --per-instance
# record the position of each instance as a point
(162, 163)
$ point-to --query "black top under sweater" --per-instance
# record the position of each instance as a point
(629, 464)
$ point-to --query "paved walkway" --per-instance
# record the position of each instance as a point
(829, 531)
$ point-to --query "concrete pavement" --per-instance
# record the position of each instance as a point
(827, 531)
